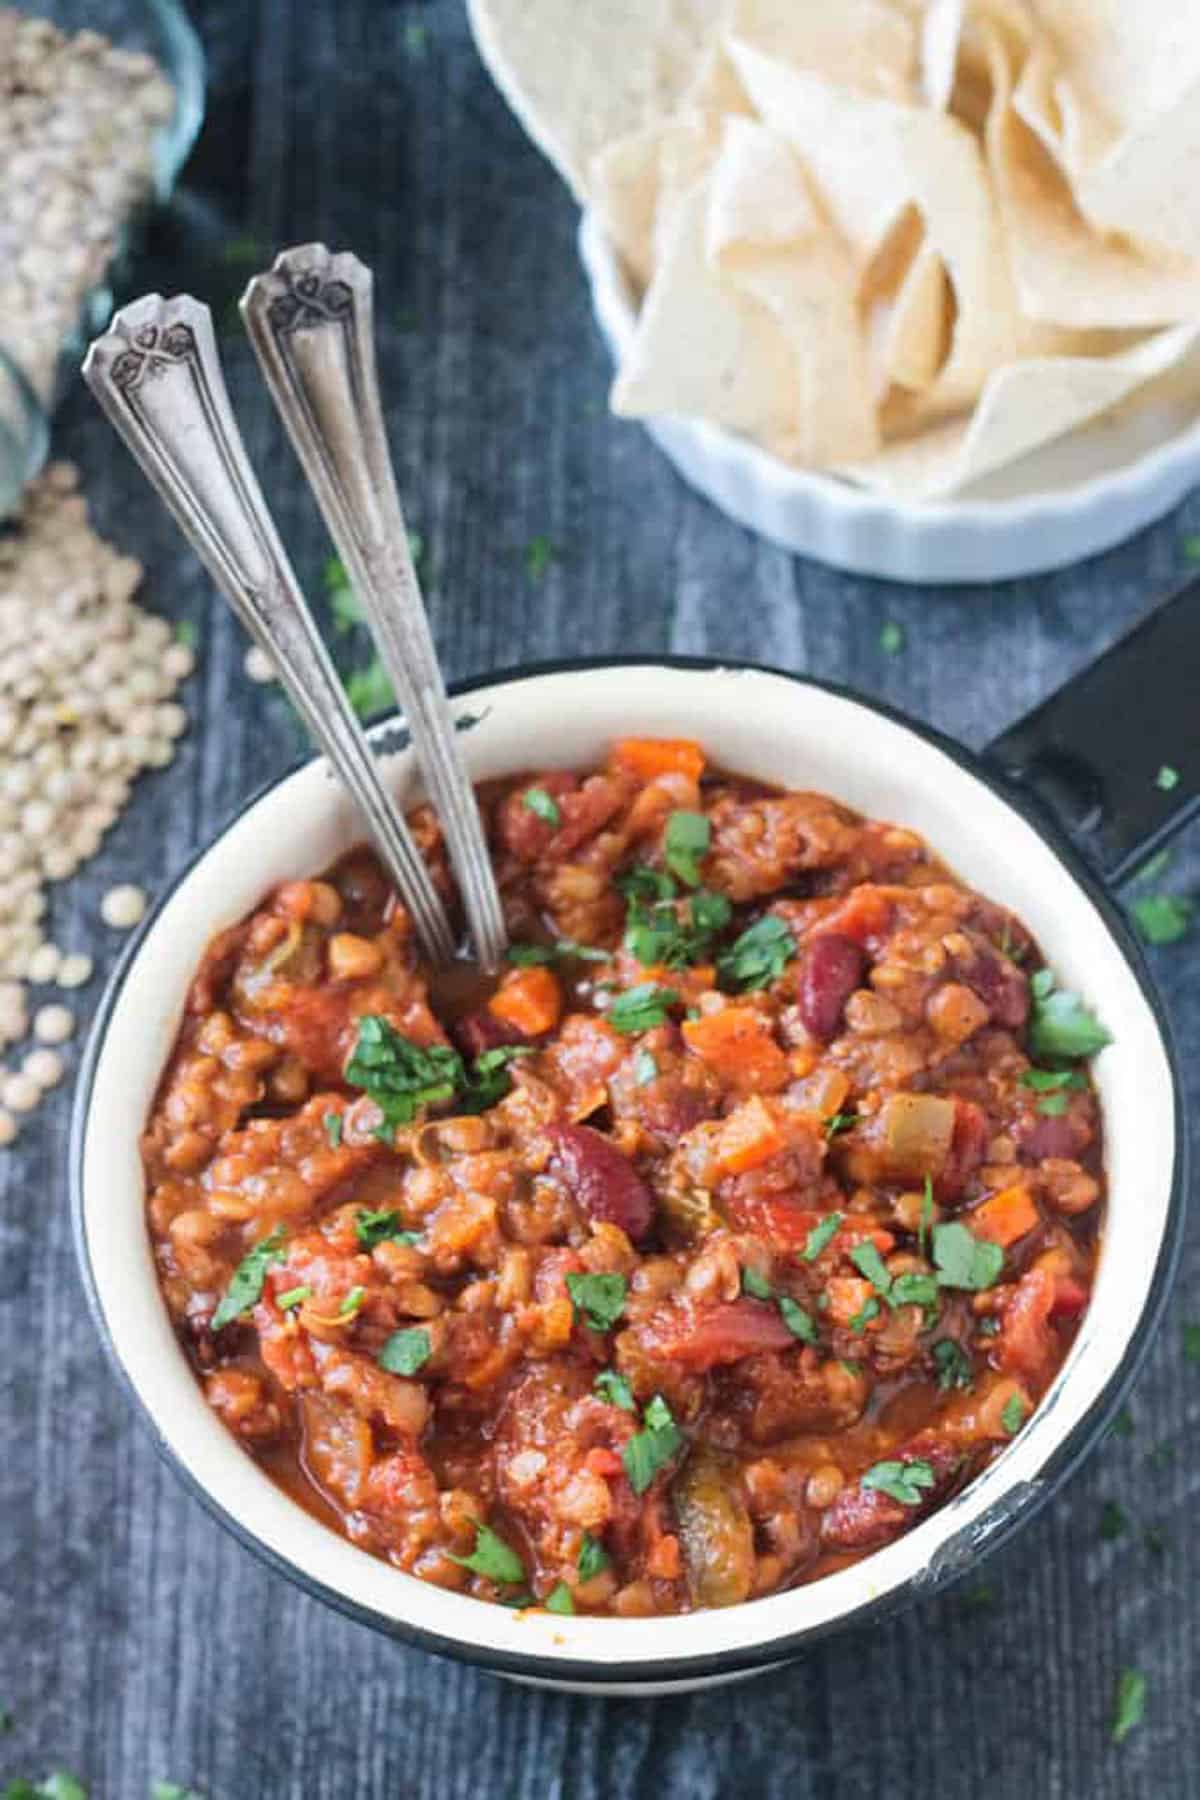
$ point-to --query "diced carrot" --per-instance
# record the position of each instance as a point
(749, 1136)
(864, 914)
(663, 1561)
(648, 758)
(530, 999)
(1005, 1217)
(1026, 1343)
(738, 1045)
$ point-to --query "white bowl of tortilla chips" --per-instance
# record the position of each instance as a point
(911, 286)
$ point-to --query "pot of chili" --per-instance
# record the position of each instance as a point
(755, 1252)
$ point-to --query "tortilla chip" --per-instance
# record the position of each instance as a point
(767, 236)
(1148, 186)
(870, 46)
(1022, 406)
(702, 348)
(636, 183)
(580, 76)
(750, 319)
(941, 31)
(870, 160)
(1064, 273)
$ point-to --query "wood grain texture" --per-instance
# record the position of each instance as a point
(139, 1642)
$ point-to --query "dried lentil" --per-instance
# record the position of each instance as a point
(87, 685)
(78, 123)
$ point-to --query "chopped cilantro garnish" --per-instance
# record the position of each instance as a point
(615, 1389)
(593, 1557)
(246, 1286)
(819, 1236)
(685, 843)
(369, 690)
(402, 1077)
(539, 554)
(1163, 918)
(333, 1128)
(645, 1069)
(344, 603)
(655, 1444)
(953, 1364)
(1191, 549)
(187, 633)
(759, 956)
(914, 1290)
(171, 1790)
(543, 805)
(1060, 1024)
(963, 1260)
(641, 882)
(352, 1303)
(798, 1322)
(1114, 1521)
(641, 1008)
(492, 1558)
(598, 1299)
(560, 1599)
(1048, 1081)
(891, 638)
(868, 1262)
(926, 1217)
(294, 1297)
(561, 950)
(1167, 779)
(1129, 1705)
(1013, 1414)
(406, 1351)
(1191, 1341)
(755, 1285)
(674, 934)
(838, 1122)
(869, 1310)
(1122, 1426)
(373, 1228)
(902, 1481)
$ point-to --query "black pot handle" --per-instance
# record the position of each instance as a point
(1114, 755)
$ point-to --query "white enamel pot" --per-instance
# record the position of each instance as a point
(781, 729)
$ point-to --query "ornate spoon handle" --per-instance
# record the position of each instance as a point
(157, 374)
(309, 319)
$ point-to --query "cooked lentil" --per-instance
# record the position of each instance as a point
(734, 1252)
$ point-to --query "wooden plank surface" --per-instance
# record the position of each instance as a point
(139, 1642)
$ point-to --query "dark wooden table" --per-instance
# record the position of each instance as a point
(137, 1641)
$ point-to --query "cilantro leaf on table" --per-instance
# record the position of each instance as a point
(1129, 1704)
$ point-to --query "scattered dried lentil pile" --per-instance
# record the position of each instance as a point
(86, 685)
(78, 120)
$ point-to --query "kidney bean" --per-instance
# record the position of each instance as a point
(863, 1518)
(1062, 1137)
(480, 1031)
(700, 1338)
(1003, 988)
(968, 1146)
(601, 1181)
(832, 968)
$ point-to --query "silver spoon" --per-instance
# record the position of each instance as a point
(309, 320)
(157, 374)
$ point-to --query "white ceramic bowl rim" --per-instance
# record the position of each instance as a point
(1031, 869)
